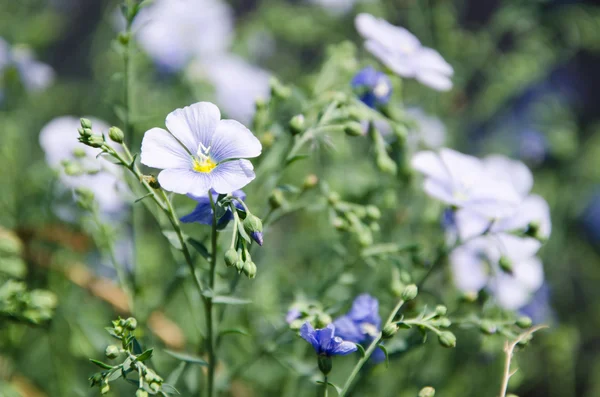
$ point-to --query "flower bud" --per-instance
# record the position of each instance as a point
(427, 392)
(297, 124)
(154, 386)
(386, 164)
(253, 226)
(72, 169)
(95, 379)
(276, 199)
(249, 269)
(325, 363)
(79, 153)
(105, 388)
(116, 135)
(85, 123)
(84, 132)
(389, 331)
(112, 351)
(410, 292)
(441, 310)
(505, 264)
(356, 114)
(141, 393)
(524, 322)
(323, 320)
(130, 323)
(444, 322)
(353, 128)
(124, 38)
(231, 257)
(447, 339)
(487, 327)
(279, 90)
(373, 212)
(310, 181)
(118, 330)
(333, 198)
(95, 141)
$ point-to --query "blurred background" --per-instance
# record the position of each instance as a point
(526, 85)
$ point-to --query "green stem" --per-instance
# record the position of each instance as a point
(210, 338)
(127, 128)
(369, 351)
(325, 386)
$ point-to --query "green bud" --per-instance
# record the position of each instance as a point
(297, 324)
(297, 124)
(400, 132)
(427, 392)
(447, 339)
(279, 90)
(154, 386)
(130, 324)
(356, 114)
(231, 257)
(389, 331)
(79, 153)
(252, 224)
(505, 264)
(470, 296)
(261, 103)
(365, 238)
(373, 212)
(333, 198)
(386, 164)
(325, 363)
(310, 181)
(444, 322)
(410, 292)
(323, 320)
(84, 132)
(85, 123)
(353, 128)
(112, 351)
(525, 341)
(441, 310)
(116, 135)
(488, 327)
(95, 379)
(374, 227)
(124, 38)
(524, 322)
(71, 168)
(105, 388)
(249, 269)
(141, 393)
(276, 199)
(94, 141)
(339, 223)
(118, 330)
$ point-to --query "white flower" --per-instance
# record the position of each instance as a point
(462, 181)
(237, 84)
(59, 141)
(532, 209)
(429, 131)
(173, 32)
(403, 53)
(35, 75)
(200, 151)
(475, 267)
(336, 6)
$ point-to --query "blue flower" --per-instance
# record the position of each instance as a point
(362, 322)
(203, 212)
(325, 342)
(292, 314)
(373, 87)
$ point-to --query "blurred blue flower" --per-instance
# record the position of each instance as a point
(539, 309)
(292, 314)
(325, 342)
(201, 151)
(403, 53)
(372, 86)
(203, 212)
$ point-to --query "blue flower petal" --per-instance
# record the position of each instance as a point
(308, 333)
(342, 347)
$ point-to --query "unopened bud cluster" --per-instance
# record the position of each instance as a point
(359, 220)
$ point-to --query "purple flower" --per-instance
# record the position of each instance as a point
(325, 342)
(372, 86)
(203, 212)
(292, 314)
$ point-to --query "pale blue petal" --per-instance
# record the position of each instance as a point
(194, 124)
(308, 333)
(342, 348)
(184, 181)
(232, 175)
(233, 141)
(325, 338)
(161, 150)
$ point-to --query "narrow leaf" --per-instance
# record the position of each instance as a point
(200, 248)
(387, 358)
(143, 197)
(297, 157)
(145, 355)
(101, 364)
(173, 239)
(233, 331)
(361, 350)
(230, 300)
(188, 358)
(176, 373)
(137, 348)
(337, 388)
(167, 388)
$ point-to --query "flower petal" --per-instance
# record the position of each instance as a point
(232, 140)
(325, 338)
(232, 175)
(194, 124)
(434, 79)
(201, 214)
(348, 330)
(430, 164)
(308, 333)
(184, 181)
(430, 59)
(468, 268)
(161, 150)
(342, 347)
(509, 170)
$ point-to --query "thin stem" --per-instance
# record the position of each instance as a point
(369, 351)
(210, 338)
(127, 66)
(325, 386)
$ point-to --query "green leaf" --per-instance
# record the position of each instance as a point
(297, 157)
(289, 188)
(173, 239)
(167, 388)
(233, 331)
(361, 350)
(200, 248)
(145, 355)
(337, 388)
(101, 364)
(176, 373)
(402, 324)
(243, 233)
(112, 332)
(387, 358)
(137, 348)
(230, 300)
(114, 375)
(143, 197)
(188, 358)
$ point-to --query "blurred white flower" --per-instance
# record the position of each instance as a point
(237, 84)
(336, 6)
(173, 32)
(34, 75)
(462, 181)
(59, 141)
(403, 53)
(429, 132)
(475, 266)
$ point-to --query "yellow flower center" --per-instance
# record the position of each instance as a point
(204, 165)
